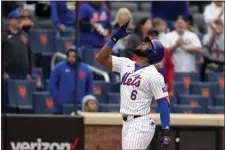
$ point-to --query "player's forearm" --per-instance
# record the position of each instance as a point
(105, 51)
(164, 112)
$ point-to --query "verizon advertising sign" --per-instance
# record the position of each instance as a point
(43, 133)
(41, 145)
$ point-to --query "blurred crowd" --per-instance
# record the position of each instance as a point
(173, 23)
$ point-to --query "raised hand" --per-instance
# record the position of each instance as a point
(121, 33)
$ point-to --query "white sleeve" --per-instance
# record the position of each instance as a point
(117, 63)
(196, 41)
(158, 86)
(207, 15)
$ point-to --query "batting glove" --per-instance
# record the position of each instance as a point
(121, 33)
(165, 140)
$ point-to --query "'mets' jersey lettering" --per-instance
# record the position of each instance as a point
(137, 88)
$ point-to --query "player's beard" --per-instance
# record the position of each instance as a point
(139, 52)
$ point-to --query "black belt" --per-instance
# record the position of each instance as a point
(125, 117)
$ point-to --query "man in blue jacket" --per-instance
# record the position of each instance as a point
(62, 81)
(63, 15)
(94, 24)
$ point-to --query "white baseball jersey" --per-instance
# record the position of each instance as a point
(137, 88)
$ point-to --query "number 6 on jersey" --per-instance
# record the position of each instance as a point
(133, 95)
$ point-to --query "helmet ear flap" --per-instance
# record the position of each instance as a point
(155, 54)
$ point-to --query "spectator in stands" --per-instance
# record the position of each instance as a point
(191, 26)
(62, 81)
(214, 50)
(16, 50)
(63, 15)
(212, 12)
(161, 27)
(183, 46)
(166, 66)
(94, 24)
(140, 31)
(90, 104)
(123, 15)
(169, 10)
(26, 22)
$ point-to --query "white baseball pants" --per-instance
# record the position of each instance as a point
(137, 133)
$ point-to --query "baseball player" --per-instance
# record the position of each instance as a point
(140, 82)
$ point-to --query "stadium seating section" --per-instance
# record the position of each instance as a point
(189, 96)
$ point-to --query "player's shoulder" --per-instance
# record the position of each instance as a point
(152, 70)
(153, 73)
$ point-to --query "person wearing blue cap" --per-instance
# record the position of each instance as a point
(62, 81)
(14, 20)
(16, 50)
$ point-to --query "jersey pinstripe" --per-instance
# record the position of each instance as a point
(137, 88)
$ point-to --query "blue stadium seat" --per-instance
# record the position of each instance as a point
(69, 108)
(188, 109)
(219, 100)
(64, 43)
(101, 89)
(43, 103)
(196, 100)
(214, 76)
(109, 107)
(114, 77)
(154, 102)
(182, 76)
(45, 63)
(42, 40)
(68, 33)
(216, 110)
(89, 57)
(205, 89)
(219, 78)
(220, 89)
(20, 95)
(115, 88)
(198, 66)
(199, 57)
(173, 100)
(114, 98)
(154, 108)
(180, 88)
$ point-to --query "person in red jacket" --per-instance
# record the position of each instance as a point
(165, 67)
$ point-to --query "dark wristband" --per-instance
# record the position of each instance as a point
(114, 39)
(165, 132)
